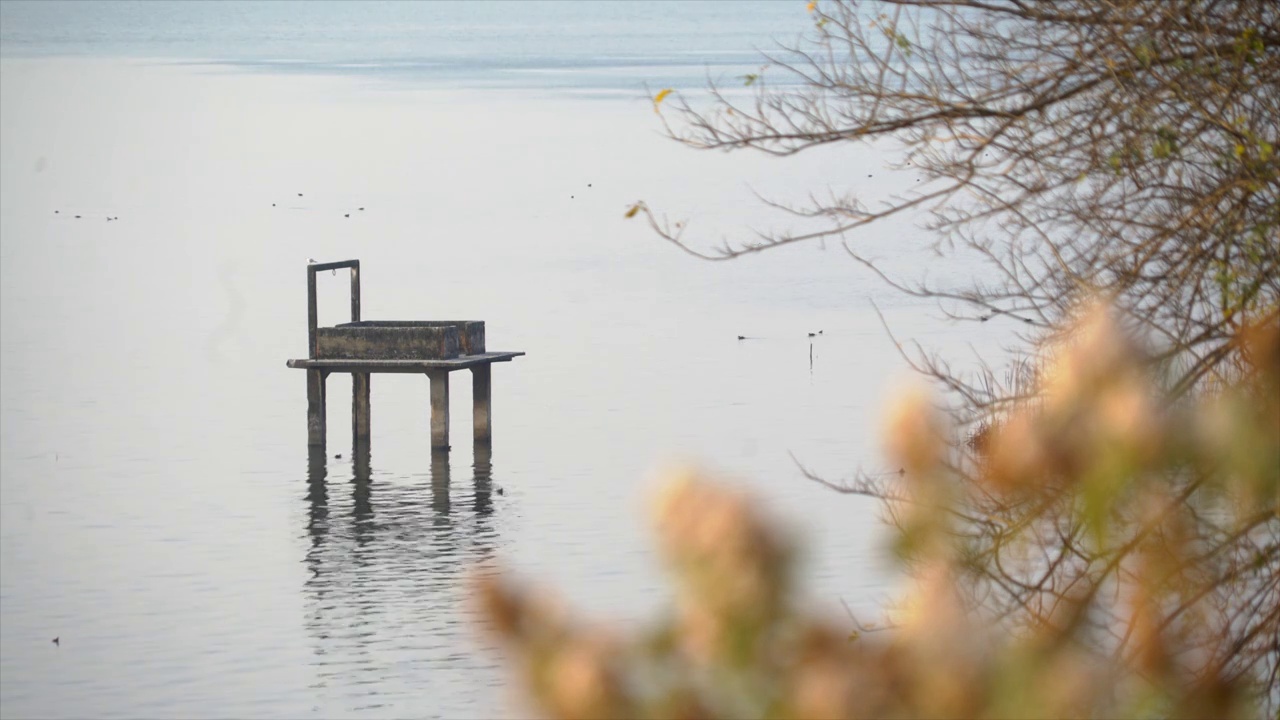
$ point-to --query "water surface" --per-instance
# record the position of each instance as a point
(160, 512)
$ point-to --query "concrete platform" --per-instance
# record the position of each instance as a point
(462, 362)
(434, 348)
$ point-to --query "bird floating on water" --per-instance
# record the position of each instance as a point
(57, 642)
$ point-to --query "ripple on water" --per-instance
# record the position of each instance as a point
(387, 556)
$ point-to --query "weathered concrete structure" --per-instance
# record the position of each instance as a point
(434, 348)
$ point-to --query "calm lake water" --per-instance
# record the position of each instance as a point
(159, 510)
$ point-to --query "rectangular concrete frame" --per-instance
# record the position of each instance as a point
(387, 343)
(470, 332)
(432, 347)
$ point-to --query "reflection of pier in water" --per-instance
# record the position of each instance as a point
(388, 563)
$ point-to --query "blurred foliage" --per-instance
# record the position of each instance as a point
(1063, 151)
(1169, 499)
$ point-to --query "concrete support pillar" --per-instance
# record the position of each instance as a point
(481, 419)
(439, 409)
(440, 502)
(316, 408)
(360, 408)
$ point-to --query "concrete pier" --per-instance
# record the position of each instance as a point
(434, 348)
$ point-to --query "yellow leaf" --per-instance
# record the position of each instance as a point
(811, 6)
(634, 209)
(657, 99)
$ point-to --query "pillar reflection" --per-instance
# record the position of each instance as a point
(482, 471)
(388, 559)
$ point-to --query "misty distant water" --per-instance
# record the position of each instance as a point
(518, 43)
(159, 510)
